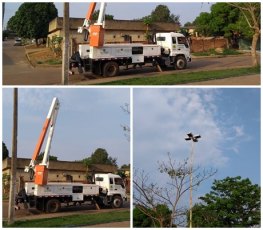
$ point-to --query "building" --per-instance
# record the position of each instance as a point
(58, 171)
(116, 31)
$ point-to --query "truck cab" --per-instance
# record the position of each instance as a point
(111, 183)
(175, 46)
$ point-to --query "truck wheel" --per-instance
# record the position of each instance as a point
(110, 69)
(180, 63)
(117, 202)
(53, 206)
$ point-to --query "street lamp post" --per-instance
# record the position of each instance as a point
(191, 137)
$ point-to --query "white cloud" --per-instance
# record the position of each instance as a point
(239, 131)
(162, 117)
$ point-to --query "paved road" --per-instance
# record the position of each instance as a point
(18, 71)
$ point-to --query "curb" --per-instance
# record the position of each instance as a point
(219, 56)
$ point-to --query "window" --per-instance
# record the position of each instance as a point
(183, 41)
(160, 39)
(99, 179)
(111, 181)
(137, 50)
(174, 40)
(77, 189)
(119, 181)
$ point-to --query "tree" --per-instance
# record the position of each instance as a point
(5, 152)
(162, 14)
(140, 219)
(95, 16)
(233, 202)
(149, 194)
(233, 20)
(251, 13)
(160, 217)
(100, 156)
(51, 158)
(31, 20)
(188, 24)
(202, 24)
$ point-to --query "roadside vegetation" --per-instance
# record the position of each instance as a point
(216, 52)
(184, 78)
(74, 220)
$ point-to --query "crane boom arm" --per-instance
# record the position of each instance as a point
(96, 31)
(91, 10)
(87, 20)
(50, 121)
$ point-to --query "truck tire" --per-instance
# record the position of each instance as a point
(117, 202)
(53, 206)
(110, 69)
(180, 63)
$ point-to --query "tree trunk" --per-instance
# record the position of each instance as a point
(254, 49)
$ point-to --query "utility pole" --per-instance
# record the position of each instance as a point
(11, 207)
(3, 5)
(193, 138)
(65, 61)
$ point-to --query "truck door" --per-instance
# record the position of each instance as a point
(116, 185)
(180, 43)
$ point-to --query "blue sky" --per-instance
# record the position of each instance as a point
(188, 11)
(228, 119)
(88, 119)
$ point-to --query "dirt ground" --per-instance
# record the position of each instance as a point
(38, 56)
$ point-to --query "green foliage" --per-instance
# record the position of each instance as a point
(140, 219)
(100, 156)
(126, 166)
(72, 221)
(202, 24)
(5, 185)
(222, 21)
(96, 15)
(183, 78)
(188, 24)
(158, 217)
(213, 52)
(56, 45)
(51, 158)
(161, 14)
(233, 202)
(31, 20)
(5, 152)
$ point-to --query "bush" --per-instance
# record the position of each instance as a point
(56, 45)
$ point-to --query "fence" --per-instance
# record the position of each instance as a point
(204, 44)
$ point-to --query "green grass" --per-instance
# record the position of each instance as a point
(50, 62)
(212, 52)
(183, 78)
(74, 221)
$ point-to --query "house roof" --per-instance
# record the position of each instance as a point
(62, 166)
(121, 25)
(102, 168)
(53, 165)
